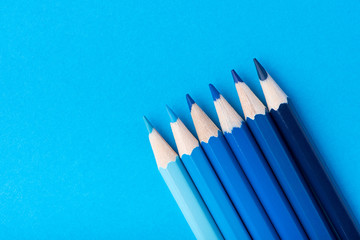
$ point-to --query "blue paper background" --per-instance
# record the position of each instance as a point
(77, 76)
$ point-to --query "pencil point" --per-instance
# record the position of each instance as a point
(214, 92)
(260, 70)
(172, 115)
(190, 101)
(236, 77)
(148, 124)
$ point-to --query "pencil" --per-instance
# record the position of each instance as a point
(281, 162)
(306, 156)
(206, 181)
(182, 188)
(252, 161)
(231, 175)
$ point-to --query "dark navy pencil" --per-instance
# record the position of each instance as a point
(257, 170)
(282, 163)
(306, 156)
(231, 175)
(206, 181)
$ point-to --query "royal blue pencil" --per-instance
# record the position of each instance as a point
(306, 156)
(282, 163)
(231, 175)
(206, 181)
(257, 170)
(182, 188)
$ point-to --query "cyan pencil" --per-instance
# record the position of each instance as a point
(257, 170)
(206, 181)
(306, 156)
(282, 163)
(182, 188)
(231, 175)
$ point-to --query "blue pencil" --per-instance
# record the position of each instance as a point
(306, 156)
(206, 181)
(182, 188)
(231, 175)
(257, 170)
(282, 163)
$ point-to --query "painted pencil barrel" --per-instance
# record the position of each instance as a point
(263, 181)
(311, 166)
(214, 195)
(238, 188)
(189, 201)
(289, 176)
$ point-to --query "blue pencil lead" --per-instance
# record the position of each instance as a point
(260, 70)
(214, 92)
(148, 124)
(172, 115)
(236, 76)
(190, 101)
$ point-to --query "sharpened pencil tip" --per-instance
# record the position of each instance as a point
(260, 70)
(148, 124)
(172, 115)
(214, 92)
(190, 101)
(236, 77)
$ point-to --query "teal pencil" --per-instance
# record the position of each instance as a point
(182, 188)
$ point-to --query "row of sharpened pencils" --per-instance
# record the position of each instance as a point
(259, 179)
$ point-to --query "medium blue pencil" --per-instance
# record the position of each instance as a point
(182, 188)
(206, 181)
(231, 175)
(257, 170)
(306, 156)
(282, 163)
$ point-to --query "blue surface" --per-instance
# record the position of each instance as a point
(76, 77)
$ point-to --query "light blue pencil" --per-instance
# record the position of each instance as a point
(182, 188)
(207, 182)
